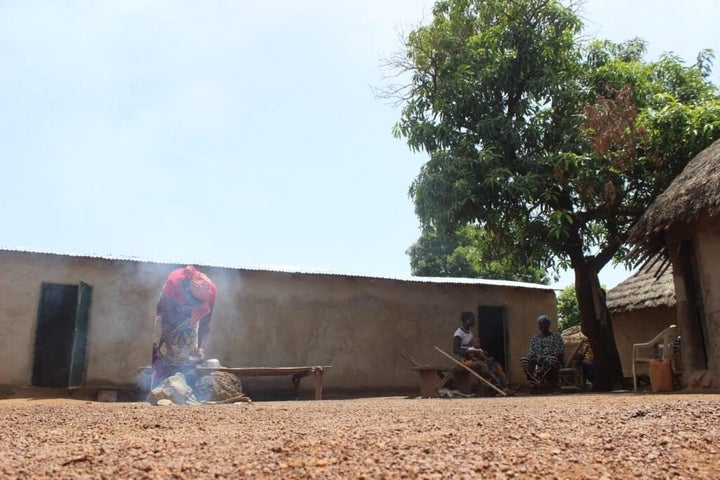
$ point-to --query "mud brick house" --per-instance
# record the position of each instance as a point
(87, 321)
(683, 226)
(641, 306)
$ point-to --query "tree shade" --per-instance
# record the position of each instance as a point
(546, 141)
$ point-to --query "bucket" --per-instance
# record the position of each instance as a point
(661, 379)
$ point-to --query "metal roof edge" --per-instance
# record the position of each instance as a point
(291, 270)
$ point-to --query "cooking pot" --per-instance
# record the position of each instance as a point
(212, 362)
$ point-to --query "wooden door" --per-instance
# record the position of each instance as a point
(492, 330)
(61, 335)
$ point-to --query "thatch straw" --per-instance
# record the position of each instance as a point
(650, 287)
(696, 191)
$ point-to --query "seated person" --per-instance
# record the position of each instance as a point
(469, 350)
(545, 354)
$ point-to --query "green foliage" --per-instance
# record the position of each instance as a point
(471, 252)
(568, 309)
(541, 138)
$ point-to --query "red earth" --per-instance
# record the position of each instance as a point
(585, 436)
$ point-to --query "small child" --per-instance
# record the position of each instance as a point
(476, 350)
(479, 360)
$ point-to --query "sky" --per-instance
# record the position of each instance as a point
(234, 133)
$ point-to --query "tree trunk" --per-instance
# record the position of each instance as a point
(596, 324)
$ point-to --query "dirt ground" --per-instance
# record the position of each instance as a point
(586, 436)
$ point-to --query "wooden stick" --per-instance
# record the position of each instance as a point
(410, 359)
(473, 372)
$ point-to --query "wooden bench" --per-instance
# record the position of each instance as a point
(433, 378)
(296, 373)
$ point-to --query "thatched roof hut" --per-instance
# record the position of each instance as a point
(693, 193)
(641, 306)
(681, 226)
(648, 288)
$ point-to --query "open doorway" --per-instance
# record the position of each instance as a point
(492, 330)
(697, 341)
(61, 335)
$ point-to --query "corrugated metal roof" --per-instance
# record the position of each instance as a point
(282, 269)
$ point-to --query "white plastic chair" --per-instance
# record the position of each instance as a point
(665, 343)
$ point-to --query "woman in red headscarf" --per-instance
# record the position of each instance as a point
(182, 323)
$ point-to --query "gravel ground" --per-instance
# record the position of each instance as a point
(592, 436)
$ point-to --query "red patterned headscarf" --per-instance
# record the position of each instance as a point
(201, 287)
